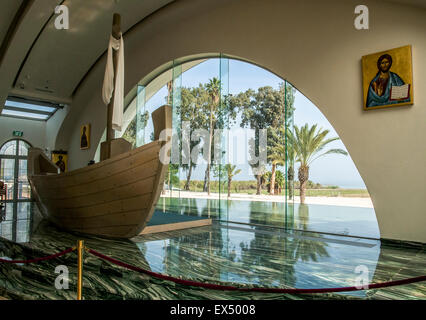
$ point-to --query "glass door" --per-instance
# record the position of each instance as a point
(15, 217)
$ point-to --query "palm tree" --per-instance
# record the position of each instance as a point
(278, 153)
(213, 88)
(225, 173)
(277, 157)
(279, 181)
(231, 172)
(265, 179)
(308, 144)
(291, 154)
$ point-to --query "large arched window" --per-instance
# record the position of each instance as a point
(13, 172)
(13, 169)
(308, 182)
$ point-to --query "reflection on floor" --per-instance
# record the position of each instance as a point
(355, 221)
(221, 253)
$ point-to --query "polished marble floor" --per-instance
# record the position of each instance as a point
(228, 253)
(351, 221)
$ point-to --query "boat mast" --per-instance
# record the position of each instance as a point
(116, 33)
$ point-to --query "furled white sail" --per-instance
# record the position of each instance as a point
(109, 85)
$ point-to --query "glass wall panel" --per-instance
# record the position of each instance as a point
(16, 223)
(330, 195)
(175, 171)
(222, 164)
(9, 212)
(6, 230)
(290, 156)
(196, 104)
(24, 210)
(7, 175)
(24, 189)
(146, 101)
(253, 170)
(23, 148)
(141, 116)
(23, 231)
(13, 171)
(9, 148)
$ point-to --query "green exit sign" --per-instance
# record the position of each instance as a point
(18, 133)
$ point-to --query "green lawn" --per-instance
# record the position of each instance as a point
(359, 193)
(248, 187)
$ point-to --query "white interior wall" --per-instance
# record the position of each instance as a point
(34, 131)
(314, 45)
(53, 125)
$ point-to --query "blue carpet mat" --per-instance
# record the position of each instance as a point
(159, 218)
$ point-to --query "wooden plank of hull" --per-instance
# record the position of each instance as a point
(109, 167)
(106, 183)
(123, 205)
(129, 191)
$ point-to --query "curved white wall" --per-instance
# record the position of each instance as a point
(315, 46)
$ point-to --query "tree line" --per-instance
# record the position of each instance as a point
(206, 106)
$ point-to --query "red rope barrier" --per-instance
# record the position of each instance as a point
(53, 256)
(264, 290)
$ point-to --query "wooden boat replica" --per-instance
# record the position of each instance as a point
(113, 198)
(117, 196)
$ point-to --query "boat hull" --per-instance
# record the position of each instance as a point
(114, 198)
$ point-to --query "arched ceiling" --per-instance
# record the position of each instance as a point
(39, 61)
(55, 61)
(9, 10)
(38, 56)
(417, 3)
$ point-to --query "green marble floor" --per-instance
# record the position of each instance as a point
(352, 221)
(222, 253)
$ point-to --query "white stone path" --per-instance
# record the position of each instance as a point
(329, 201)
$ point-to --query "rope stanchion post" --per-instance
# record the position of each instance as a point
(80, 246)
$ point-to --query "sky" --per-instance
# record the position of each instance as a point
(336, 170)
